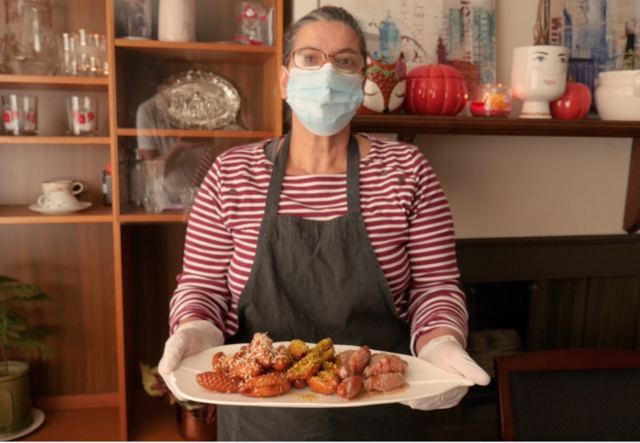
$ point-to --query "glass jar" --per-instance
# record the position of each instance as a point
(29, 41)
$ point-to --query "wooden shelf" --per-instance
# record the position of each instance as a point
(48, 82)
(138, 215)
(199, 52)
(100, 424)
(54, 140)
(417, 124)
(133, 132)
(154, 419)
(407, 126)
(21, 214)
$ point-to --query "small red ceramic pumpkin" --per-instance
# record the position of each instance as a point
(435, 90)
(574, 103)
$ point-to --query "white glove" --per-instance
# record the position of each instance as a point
(446, 353)
(189, 339)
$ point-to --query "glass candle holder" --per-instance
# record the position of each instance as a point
(491, 100)
(82, 115)
(20, 114)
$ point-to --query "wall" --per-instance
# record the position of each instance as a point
(526, 186)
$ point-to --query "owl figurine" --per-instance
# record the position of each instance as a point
(385, 87)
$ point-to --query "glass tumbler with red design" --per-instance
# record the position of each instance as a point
(20, 114)
(82, 115)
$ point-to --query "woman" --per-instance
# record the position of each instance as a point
(323, 234)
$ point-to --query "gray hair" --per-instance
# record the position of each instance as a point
(327, 14)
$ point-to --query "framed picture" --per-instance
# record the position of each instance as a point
(599, 34)
(456, 32)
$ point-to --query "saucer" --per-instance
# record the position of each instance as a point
(60, 211)
(38, 419)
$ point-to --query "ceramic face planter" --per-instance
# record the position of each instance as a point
(385, 87)
(538, 76)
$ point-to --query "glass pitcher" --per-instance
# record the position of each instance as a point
(29, 41)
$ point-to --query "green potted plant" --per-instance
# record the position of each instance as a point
(15, 332)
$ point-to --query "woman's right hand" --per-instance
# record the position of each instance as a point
(189, 339)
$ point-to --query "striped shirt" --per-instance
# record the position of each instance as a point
(405, 212)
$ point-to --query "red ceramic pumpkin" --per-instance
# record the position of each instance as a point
(574, 103)
(435, 90)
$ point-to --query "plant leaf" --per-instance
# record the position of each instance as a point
(14, 327)
(150, 382)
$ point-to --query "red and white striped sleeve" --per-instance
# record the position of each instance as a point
(202, 290)
(435, 295)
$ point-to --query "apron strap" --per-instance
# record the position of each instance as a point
(353, 177)
(277, 176)
(271, 150)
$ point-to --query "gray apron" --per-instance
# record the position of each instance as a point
(312, 280)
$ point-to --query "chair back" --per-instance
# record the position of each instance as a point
(572, 394)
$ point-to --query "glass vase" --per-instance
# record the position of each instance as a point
(29, 41)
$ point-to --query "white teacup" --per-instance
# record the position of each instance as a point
(50, 186)
(58, 200)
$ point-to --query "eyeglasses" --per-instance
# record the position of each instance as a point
(344, 62)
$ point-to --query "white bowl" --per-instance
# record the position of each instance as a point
(617, 95)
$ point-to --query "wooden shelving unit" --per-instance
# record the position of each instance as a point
(58, 140)
(57, 83)
(100, 424)
(156, 421)
(21, 215)
(199, 52)
(409, 125)
(133, 132)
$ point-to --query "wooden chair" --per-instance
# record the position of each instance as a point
(572, 394)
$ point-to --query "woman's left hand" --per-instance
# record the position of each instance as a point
(447, 353)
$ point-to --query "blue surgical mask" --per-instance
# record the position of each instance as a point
(325, 100)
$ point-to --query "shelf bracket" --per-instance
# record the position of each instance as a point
(632, 207)
(407, 138)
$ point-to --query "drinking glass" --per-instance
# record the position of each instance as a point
(83, 54)
(188, 197)
(82, 115)
(67, 54)
(20, 114)
(154, 186)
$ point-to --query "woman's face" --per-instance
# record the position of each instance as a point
(330, 37)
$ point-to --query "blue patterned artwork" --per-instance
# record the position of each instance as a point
(598, 33)
(456, 32)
